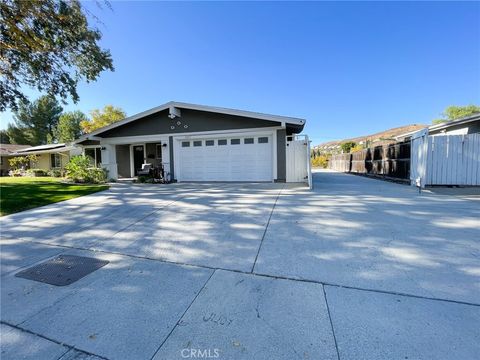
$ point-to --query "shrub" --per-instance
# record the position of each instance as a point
(16, 172)
(320, 161)
(19, 162)
(56, 173)
(96, 175)
(145, 179)
(79, 169)
(36, 172)
(142, 179)
(356, 148)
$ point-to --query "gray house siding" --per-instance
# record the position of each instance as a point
(281, 155)
(190, 121)
(123, 160)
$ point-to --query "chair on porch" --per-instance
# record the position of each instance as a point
(145, 171)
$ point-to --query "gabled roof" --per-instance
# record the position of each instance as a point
(172, 105)
(7, 149)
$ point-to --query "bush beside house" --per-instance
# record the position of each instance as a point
(80, 170)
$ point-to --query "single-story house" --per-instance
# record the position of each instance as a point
(197, 143)
(50, 156)
(464, 126)
(6, 153)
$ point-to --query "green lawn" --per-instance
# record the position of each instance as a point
(22, 193)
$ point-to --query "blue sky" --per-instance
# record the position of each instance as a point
(349, 68)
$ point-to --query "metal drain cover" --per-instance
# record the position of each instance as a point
(62, 270)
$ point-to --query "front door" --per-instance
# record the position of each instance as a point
(138, 158)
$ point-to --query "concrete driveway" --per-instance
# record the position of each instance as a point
(355, 269)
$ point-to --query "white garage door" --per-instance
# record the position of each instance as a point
(246, 158)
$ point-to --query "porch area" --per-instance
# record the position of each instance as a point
(133, 160)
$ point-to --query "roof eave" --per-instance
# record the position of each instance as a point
(447, 124)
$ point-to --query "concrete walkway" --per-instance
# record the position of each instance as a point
(355, 269)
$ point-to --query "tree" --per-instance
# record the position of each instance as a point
(100, 118)
(68, 127)
(347, 146)
(4, 138)
(456, 112)
(34, 123)
(47, 45)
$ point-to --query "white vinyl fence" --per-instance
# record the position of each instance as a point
(445, 159)
(298, 159)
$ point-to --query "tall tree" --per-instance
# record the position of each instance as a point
(457, 112)
(4, 138)
(47, 45)
(347, 146)
(34, 123)
(68, 127)
(103, 117)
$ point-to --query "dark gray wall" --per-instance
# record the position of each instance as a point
(195, 120)
(123, 160)
(281, 155)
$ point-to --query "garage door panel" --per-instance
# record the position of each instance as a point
(239, 160)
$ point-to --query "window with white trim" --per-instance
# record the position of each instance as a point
(95, 155)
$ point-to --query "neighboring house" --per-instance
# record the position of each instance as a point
(51, 156)
(446, 153)
(6, 151)
(198, 143)
(464, 126)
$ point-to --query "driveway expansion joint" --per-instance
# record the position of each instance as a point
(69, 347)
(262, 275)
(266, 228)
(331, 322)
(183, 314)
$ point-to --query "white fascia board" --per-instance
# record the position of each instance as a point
(172, 105)
(203, 134)
(447, 124)
(213, 135)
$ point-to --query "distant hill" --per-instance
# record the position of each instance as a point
(380, 138)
